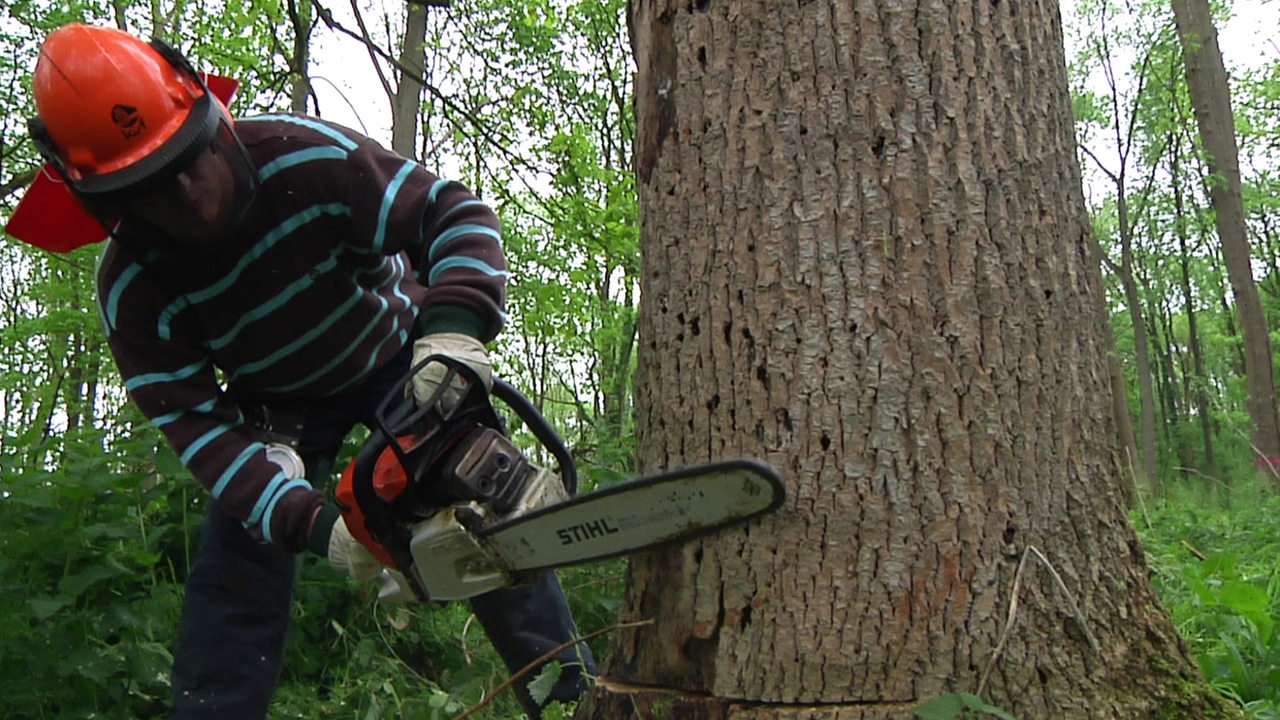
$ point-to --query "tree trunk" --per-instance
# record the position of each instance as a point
(1211, 101)
(866, 259)
(1141, 343)
(1199, 377)
(300, 90)
(407, 107)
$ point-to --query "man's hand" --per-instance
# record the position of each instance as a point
(348, 555)
(458, 346)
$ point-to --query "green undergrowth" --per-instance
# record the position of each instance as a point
(1215, 563)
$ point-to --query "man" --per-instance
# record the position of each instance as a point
(266, 282)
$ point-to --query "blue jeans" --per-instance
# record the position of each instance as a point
(239, 592)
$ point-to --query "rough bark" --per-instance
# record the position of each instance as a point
(866, 260)
(1211, 101)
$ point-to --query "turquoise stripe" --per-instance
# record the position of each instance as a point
(164, 325)
(306, 338)
(388, 200)
(202, 408)
(436, 187)
(355, 343)
(202, 441)
(460, 206)
(112, 307)
(234, 468)
(266, 497)
(139, 381)
(456, 232)
(267, 242)
(284, 162)
(325, 130)
(394, 280)
(402, 335)
(464, 262)
(271, 506)
(289, 292)
(351, 347)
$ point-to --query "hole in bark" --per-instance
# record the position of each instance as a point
(702, 57)
(878, 146)
(745, 618)
(694, 327)
(714, 402)
(701, 5)
(1009, 532)
(826, 442)
(763, 376)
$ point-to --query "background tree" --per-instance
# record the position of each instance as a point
(1118, 119)
(1211, 100)
(884, 285)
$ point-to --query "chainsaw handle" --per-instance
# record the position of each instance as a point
(541, 429)
(397, 413)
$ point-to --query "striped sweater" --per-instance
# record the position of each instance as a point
(345, 247)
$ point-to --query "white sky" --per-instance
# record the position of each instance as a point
(349, 91)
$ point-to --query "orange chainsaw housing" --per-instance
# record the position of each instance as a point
(389, 481)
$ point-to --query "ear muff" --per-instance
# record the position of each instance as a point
(44, 145)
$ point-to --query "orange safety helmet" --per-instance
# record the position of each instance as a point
(114, 111)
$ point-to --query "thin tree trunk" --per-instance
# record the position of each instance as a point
(1141, 342)
(1199, 378)
(1211, 101)
(300, 14)
(407, 107)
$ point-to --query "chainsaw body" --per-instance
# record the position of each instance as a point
(431, 476)
(442, 496)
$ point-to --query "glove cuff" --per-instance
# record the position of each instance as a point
(322, 529)
(451, 319)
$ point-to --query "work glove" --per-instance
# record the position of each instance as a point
(457, 346)
(348, 555)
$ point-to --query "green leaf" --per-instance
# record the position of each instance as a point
(950, 706)
(77, 583)
(45, 607)
(542, 685)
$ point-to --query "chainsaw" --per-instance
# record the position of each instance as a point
(440, 494)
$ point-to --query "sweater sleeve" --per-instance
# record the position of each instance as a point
(452, 238)
(171, 378)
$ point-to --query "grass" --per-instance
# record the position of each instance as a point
(1215, 560)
